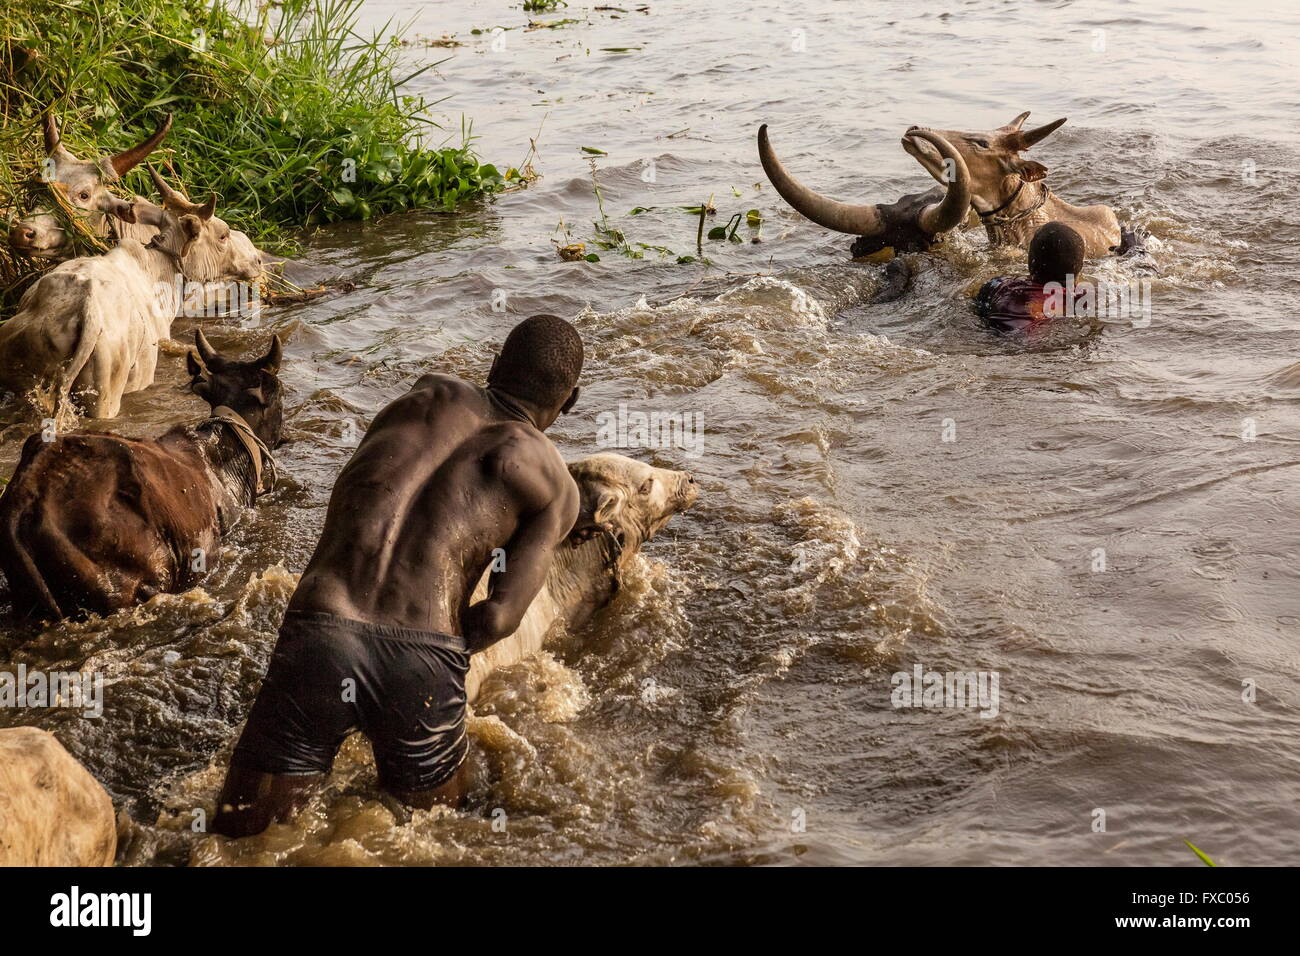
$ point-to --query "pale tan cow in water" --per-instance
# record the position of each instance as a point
(1009, 192)
(52, 811)
(89, 329)
(85, 183)
(625, 503)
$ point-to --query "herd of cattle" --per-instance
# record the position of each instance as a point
(95, 522)
(92, 521)
(89, 329)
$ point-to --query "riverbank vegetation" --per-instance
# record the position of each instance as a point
(289, 112)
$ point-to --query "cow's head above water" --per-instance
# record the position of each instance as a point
(997, 170)
(630, 500)
(228, 253)
(206, 247)
(39, 232)
(911, 224)
(250, 389)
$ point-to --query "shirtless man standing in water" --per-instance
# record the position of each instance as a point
(377, 636)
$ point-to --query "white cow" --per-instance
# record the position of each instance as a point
(84, 182)
(89, 328)
(38, 233)
(624, 504)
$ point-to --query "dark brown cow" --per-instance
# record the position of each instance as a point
(94, 522)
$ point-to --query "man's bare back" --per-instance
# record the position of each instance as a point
(377, 636)
(445, 475)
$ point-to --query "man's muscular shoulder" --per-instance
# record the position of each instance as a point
(526, 462)
(439, 387)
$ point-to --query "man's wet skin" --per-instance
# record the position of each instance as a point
(445, 475)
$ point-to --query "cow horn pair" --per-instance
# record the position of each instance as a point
(869, 220)
(212, 360)
(121, 163)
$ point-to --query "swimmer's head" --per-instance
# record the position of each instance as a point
(540, 363)
(1055, 252)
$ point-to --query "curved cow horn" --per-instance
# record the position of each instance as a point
(205, 211)
(54, 139)
(1034, 135)
(1019, 121)
(51, 130)
(941, 216)
(168, 194)
(128, 159)
(270, 362)
(173, 199)
(206, 352)
(842, 217)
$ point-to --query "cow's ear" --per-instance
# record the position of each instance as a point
(120, 208)
(606, 505)
(599, 507)
(193, 366)
(191, 227)
(1018, 122)
(147, 213)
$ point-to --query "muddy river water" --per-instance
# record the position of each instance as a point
(1104, 517)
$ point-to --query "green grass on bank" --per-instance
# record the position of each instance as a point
(289, 113)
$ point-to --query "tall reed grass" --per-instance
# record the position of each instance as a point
(288, 111)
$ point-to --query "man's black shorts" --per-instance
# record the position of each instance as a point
(403, 688)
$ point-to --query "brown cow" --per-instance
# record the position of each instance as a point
(1008, 191)
(94, 522)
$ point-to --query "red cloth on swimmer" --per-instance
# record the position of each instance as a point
(1014, 303)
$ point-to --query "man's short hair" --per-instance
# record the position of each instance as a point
(540, 361)
(1056, 251)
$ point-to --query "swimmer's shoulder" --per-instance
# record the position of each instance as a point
(439, 386)
(528, 463)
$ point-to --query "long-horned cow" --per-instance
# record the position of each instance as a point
(85, 183)
(1008, 191)
(913, 223)
(97, 521)
(625, 503)
(89, 328)
(40, 234)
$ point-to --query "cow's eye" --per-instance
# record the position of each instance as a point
(981, 143)
(84, 196)
(646, 485)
